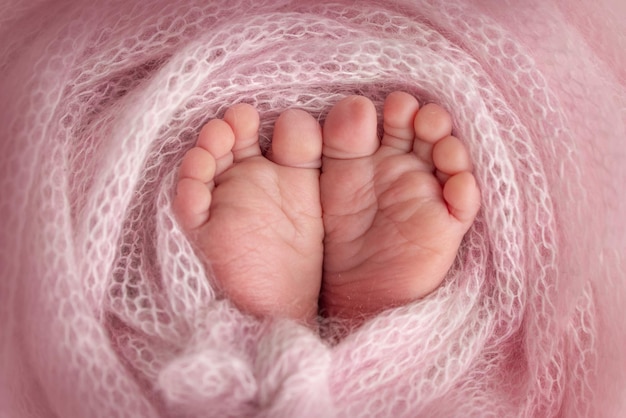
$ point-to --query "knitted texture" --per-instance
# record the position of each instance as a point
(105, 309)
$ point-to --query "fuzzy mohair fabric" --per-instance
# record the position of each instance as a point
(107, 311)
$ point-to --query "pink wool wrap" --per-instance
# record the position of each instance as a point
(107, 311)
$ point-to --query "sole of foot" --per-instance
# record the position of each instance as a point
(395, 208)
(257, 220)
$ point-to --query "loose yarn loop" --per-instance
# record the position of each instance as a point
(107, 311)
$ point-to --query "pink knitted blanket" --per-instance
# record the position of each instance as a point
(105, 310)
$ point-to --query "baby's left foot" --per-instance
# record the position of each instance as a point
(394, 211)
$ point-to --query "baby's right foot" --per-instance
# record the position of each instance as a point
(258, 221)
(394, 212)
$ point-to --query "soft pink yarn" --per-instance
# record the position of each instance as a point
(106, 311)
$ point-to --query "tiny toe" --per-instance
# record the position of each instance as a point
(462, 196)
(218, 139)
(244, 121)
(198, 164)
(350, 129)
(450, 156)
(191, 204)
(432, 123)
(297, 140)
(399, 114)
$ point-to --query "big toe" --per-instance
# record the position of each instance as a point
(297, 140)
(350, 129)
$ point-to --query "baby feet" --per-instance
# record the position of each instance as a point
(257, 220)
(394, 211)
